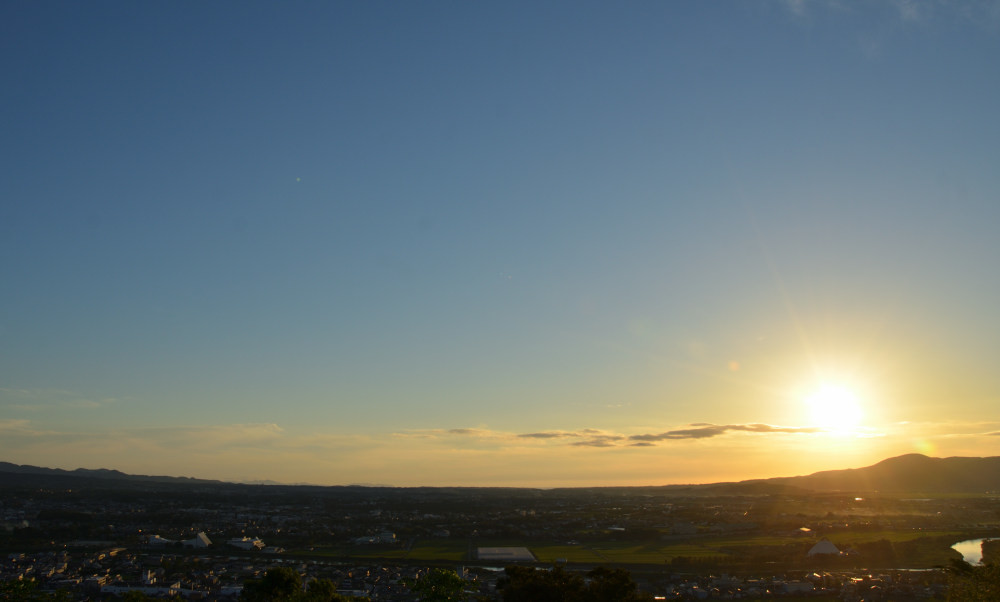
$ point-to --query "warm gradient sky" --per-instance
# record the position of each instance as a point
(497, 243)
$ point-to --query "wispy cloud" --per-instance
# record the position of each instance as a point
(247, 451)
(797, 7)
(21, 428)
(990, 428)
(600, 441)
(226, 435)
(549, 435)
(984, 13)
(188, 438)
(13, 424)
(706, 431)
(42, 399)
(591, 437)
(471, 432)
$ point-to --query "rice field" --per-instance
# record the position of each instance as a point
(927, 553)
(437, 549)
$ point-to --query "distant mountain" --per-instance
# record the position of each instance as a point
(97, 473)
(911, 473)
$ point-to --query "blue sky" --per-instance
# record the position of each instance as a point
(366, 239)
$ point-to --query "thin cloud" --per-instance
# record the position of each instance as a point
(91, 404)
(478, 433)
(39, 399)
(797, 7)
(986, 428)
(597, 442)
(983, 13)
(471, 432)
(602, 440)
(590, 437)
(416, 434)
(21, 428)
(582, 437)
(549, 435)
(14, 424)
(707, 431)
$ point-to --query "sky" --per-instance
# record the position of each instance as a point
(498, 243)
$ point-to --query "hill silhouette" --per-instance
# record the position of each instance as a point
(910, 473)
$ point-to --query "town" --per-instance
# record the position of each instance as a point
(102, 539)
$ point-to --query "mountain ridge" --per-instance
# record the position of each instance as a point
(100, 473)
(908, 473)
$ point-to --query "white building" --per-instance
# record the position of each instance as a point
(246, 543)
(198, 541)
(823, 547)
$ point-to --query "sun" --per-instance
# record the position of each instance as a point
(834, 407)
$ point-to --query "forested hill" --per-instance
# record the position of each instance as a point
(911, 473)
(8, 470)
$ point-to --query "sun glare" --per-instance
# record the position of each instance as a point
(834, 407)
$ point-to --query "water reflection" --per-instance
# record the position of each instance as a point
(971, 550)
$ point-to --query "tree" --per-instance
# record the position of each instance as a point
(321, 590)
(324, 590)
(27, 591)
(279, 584)
(440, 585)
(603, 584)
(612, 585)
(283, 584)
(974, 583)
(527, 584)
(19, 590)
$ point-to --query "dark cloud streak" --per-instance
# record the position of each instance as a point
(706, 431)
(548, 435)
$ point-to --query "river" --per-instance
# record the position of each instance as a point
(971, 550)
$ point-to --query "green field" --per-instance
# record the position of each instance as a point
(919, 548)
(439, 549)
(611, 552)
(756, 541)
(893, 536)
(553, 553)
(632, 553)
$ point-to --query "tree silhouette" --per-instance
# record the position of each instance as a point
(277, 585)
(612, 585)
(440, 585)
(528, 584)
(603, 584)
(284, 584)
(974, 583)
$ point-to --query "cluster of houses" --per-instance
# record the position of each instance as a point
(201, 541)
(844, 587)
(198, 541)
(117, 571)
(384, 537)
